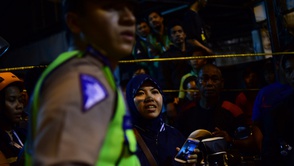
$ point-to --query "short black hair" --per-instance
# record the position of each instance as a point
(174, 23)
(152, 11)
(187, 80)
(140, 66)
(195, 48)
(77, 6)
(140, 20)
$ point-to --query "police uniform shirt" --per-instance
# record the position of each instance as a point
(76, 104)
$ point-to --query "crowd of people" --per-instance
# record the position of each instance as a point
(87, 109)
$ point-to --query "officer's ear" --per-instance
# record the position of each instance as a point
(72, 22)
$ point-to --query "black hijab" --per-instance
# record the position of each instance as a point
(133, 86)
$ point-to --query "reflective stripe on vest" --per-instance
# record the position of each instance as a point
(35, 103)
(125, 154)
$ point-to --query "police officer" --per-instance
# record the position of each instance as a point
(78, 113)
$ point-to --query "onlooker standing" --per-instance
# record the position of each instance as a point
(143, 49)
(211, 111)
(245, 99)
(266, 99)
(194, 25)
(140, 50)
(269, 71)
(171, 72)
(78, 114)
(12, 136)
(159, 40)
(217, 115)
(159, 36)
(278, 140)
(195, 64)
(192, 94)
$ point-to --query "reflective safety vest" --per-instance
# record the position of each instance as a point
(119, 145)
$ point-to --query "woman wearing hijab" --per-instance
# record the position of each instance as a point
(145, 101)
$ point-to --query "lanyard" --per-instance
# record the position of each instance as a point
(21, 144)
(106, 69)
(98, 55)
(18, 145)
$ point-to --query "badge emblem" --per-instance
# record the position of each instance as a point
(93, 91)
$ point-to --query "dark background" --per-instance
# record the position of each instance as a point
(27, 21)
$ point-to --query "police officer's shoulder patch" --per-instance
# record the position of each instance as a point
(93, 91)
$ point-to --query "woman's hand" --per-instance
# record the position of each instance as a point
(192, 158)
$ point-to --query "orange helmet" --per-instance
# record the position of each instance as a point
(7, 78)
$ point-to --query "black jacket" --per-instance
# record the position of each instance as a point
(162, 145)
(171, 72)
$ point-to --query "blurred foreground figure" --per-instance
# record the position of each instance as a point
(278, 140)
(78, 114)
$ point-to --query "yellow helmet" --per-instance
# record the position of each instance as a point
(7, 78)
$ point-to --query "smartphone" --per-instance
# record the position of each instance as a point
(186, 150)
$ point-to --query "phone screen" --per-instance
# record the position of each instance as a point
(186, 150)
